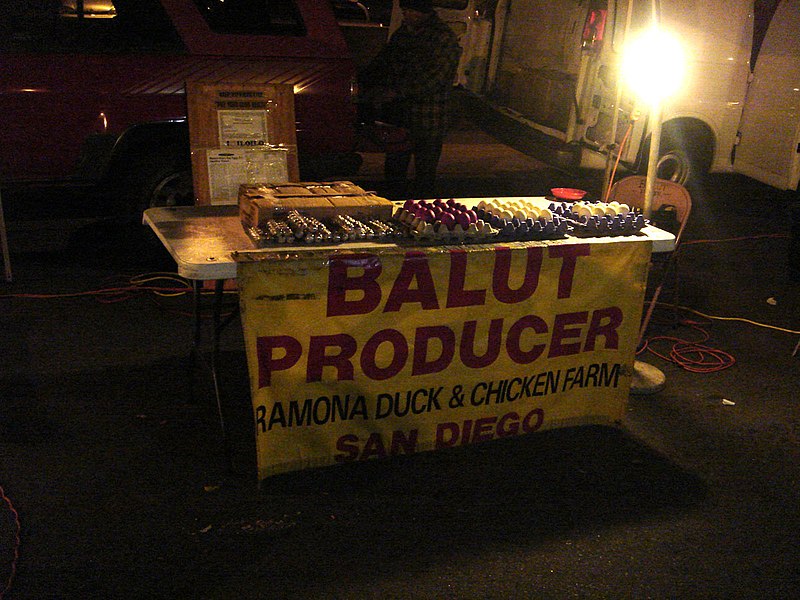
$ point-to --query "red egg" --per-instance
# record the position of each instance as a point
(448, 220)
(462, 219)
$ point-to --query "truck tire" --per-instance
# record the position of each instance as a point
(150, 165)
(684, 154)
(168, 186)
(155, 180)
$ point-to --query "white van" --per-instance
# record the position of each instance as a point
(552, 65)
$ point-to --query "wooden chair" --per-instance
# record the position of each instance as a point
(670, 210)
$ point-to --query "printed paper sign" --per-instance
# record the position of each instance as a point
(230, 168)
(359, 355)
(242, 128)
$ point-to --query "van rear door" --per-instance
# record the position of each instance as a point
(769, 148)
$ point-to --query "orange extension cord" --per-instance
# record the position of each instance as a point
(15, 557)
(691, 355)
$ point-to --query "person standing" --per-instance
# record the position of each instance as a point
(414, 74)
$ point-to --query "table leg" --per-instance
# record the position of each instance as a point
(217, 327)
(196, 354)
(197, 338)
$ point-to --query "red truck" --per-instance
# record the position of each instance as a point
(93, 91)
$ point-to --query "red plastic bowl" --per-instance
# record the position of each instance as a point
(568, 193)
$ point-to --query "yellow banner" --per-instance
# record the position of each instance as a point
(364, 354)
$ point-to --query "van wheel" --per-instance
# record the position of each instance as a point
(675, 165)
(684, 157)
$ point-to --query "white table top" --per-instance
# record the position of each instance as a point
(203, 239)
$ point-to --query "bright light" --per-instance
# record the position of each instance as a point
(653, 65)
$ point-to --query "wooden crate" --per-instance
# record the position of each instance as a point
(259, 203)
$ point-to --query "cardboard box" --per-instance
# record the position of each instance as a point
(259, 203)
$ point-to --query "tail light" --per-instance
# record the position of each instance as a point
(593, 28)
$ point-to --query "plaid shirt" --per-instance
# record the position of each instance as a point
(420, 66)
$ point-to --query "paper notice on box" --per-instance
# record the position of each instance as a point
(242, 128)
(230, 168)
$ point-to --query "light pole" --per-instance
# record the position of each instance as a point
(653, 67)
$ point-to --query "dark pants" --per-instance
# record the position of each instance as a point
(426, 151)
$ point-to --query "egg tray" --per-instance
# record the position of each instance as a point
(600, 219)
(483, 232)
(473, 226)
(519, 229)
(606, 225)
(450, 222)
(296, 229)
(442, 222)
(524, 219)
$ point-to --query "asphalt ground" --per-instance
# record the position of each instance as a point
(113, 460)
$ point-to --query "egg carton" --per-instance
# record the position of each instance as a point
(523, 220)
(443, 222)
(599, 219)
(297, 229)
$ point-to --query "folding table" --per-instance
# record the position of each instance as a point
(204, 241)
